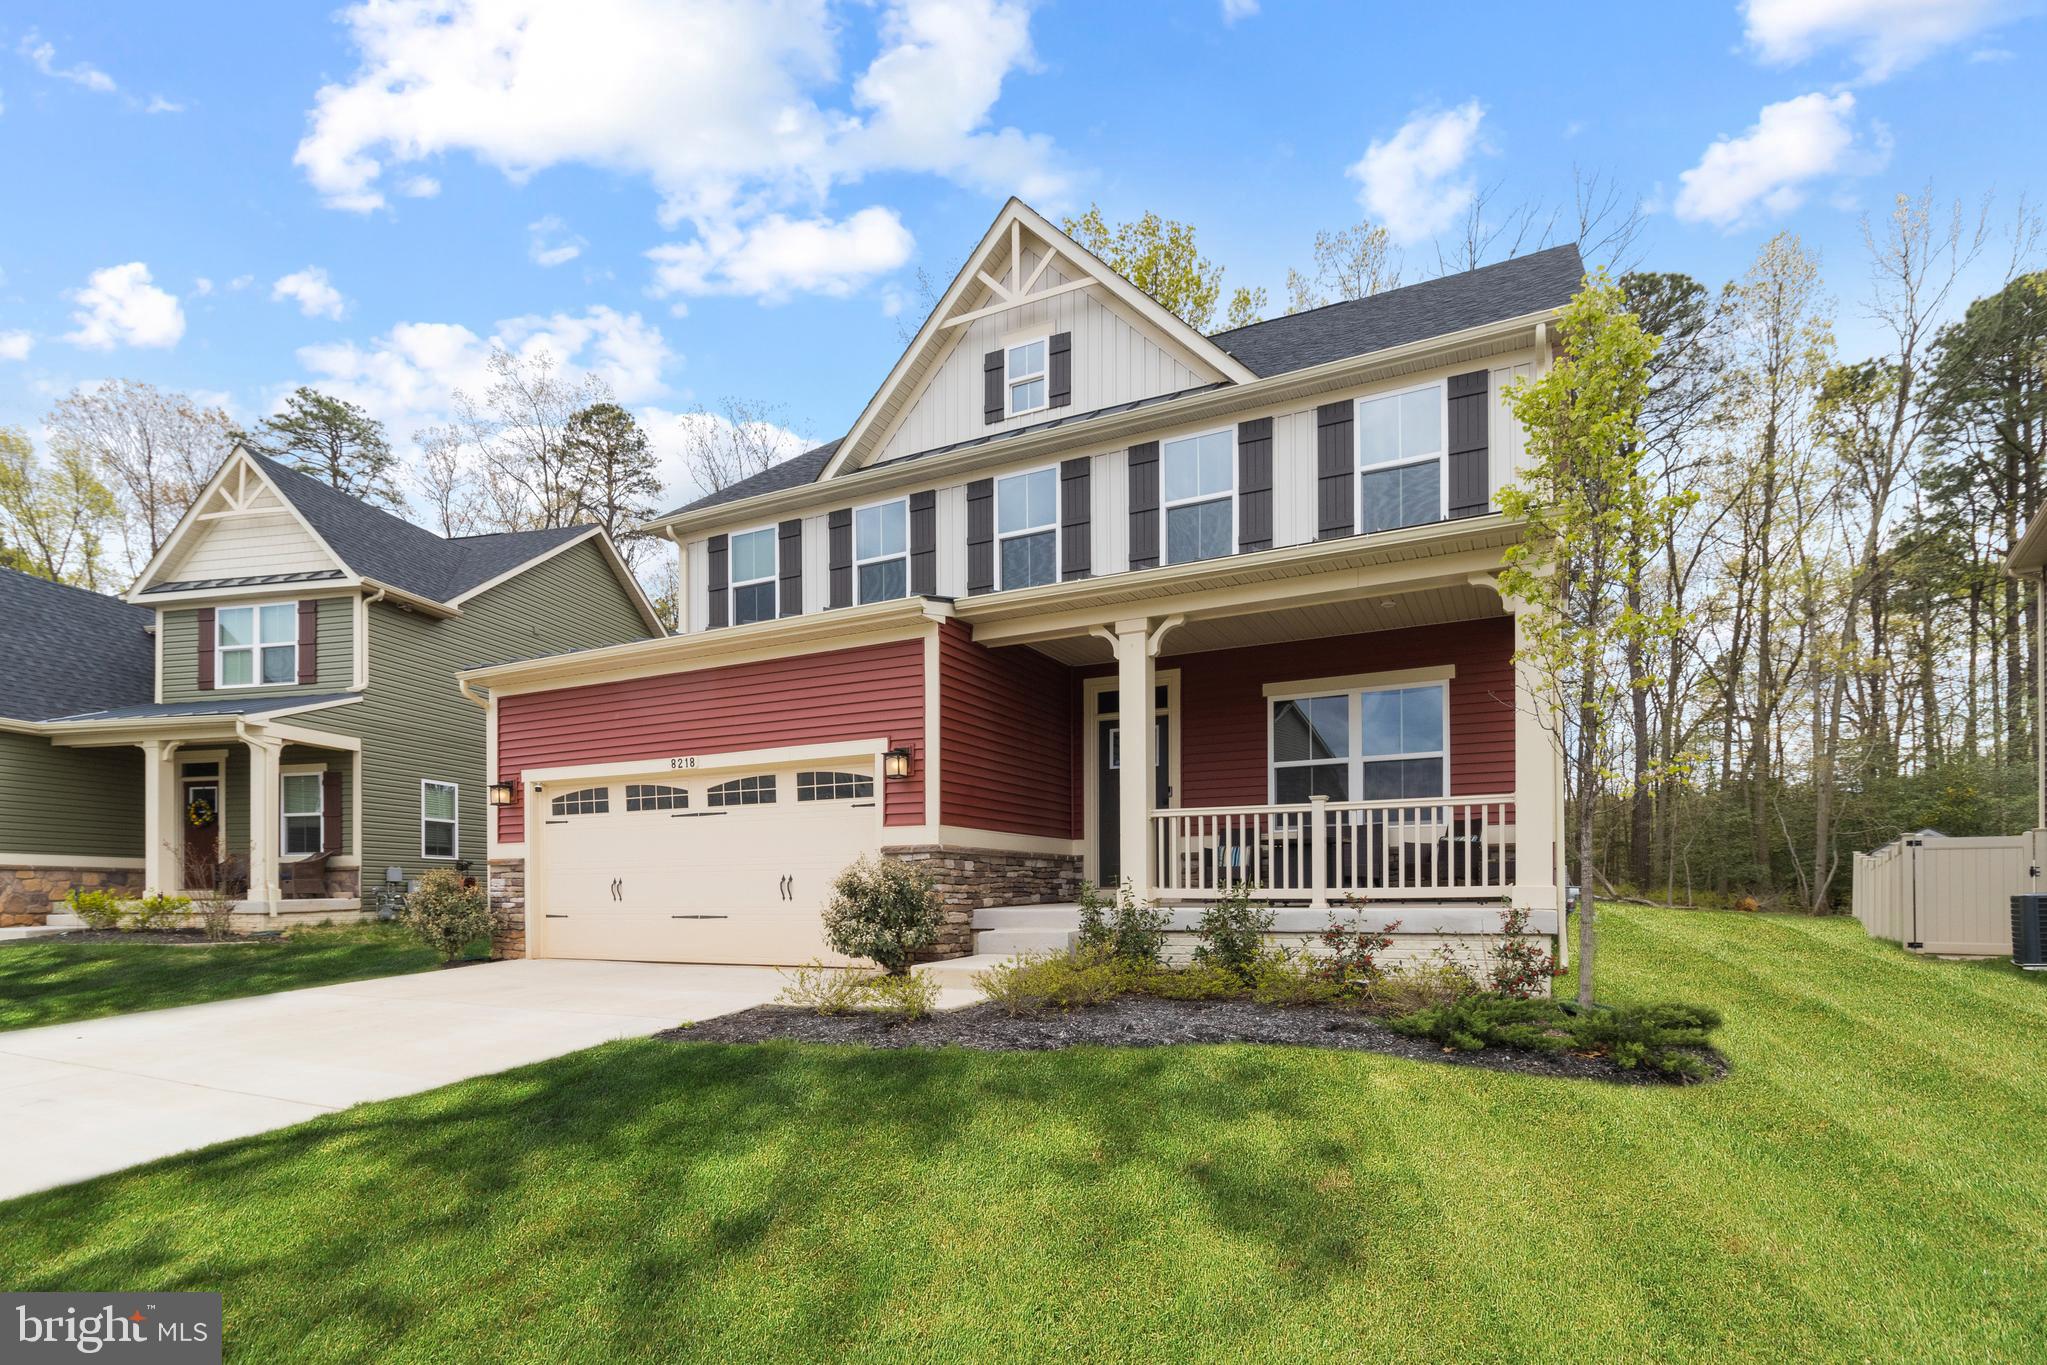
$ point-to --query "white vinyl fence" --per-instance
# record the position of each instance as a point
(1934, 894)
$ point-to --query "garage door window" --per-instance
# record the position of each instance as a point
(589, 801)
(648, 796)
(758, 790)
(833, 786)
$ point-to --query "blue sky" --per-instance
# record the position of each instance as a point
(699, 199)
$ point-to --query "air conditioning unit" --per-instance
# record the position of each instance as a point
(2029, 932)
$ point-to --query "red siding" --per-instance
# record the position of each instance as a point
(874, 692)
(1004, 727)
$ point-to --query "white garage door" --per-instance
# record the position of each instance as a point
(727, 867)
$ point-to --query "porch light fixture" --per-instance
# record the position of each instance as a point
(503, 793)
(896, 763)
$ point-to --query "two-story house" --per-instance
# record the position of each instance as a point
(1277, 546)
(272, 709)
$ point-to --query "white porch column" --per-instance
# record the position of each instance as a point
(1135, 736)
(162, 832)
(264, 756)
(1538, 789)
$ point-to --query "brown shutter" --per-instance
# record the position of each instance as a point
(839, 546)
(309, 642)
(924, 544)
(992, 400)
(1144, 506)
(1076, 516)
(1471, 493)
(1254, 485)
(330, 812)
(1059, 361)
(718, 551)
(981, 536)
(1335, 470)
(206, 644)
(789, 540)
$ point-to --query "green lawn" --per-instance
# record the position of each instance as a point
(1870, 1183)
(48, 982)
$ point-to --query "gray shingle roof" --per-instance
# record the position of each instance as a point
(70, 648)
(208, 706)
(1415, 312)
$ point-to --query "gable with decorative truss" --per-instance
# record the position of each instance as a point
(239, 527)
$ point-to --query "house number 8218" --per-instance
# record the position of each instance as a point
(682, 763)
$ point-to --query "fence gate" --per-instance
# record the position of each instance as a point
(1947, 896)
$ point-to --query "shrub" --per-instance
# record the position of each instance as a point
(1645, 1036)
(1418, 986)
(216, 913)
(1351, 955)
(445, 915)
(824, 990)
(1279, 979)
(1062, 981)
(882, 909)
(1232, 933)
(903, 998)
(1202, 981)
(99, 909)
(1521, 966)
(155, 912)
(1131, 932)
(1482, 1021)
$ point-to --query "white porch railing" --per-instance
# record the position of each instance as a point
(1461, 848)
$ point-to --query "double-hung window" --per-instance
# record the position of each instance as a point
(1400, 459)
(302, 812)
(1403, 744)
(1311, 748)
(256, 645)
(1200, 496)
(881, 550)
(753, 576)
(1370, 744)
(1026, 376)
(438, 830)
(1027, 527)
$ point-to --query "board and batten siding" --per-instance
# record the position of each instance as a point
(1005, 734)
(181, 646)
(414, 724)
(866, 692)
(265, 540)
(82, 803)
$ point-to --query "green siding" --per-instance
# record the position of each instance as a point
(414, 724)
(181, 654)
(235, 834)
(84, 803)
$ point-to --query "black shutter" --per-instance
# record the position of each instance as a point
(1059, 359)
(1335, 461)
(981, 536)
(789, 540)
(992, 400)
(1075, 516)
(1470, 491)
(1254, 485)
(721, 581)
(207, 642)
(839, 547)
(1144, 506)
(923, 544)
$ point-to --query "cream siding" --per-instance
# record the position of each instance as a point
(1293, 478)
(1508, 442)
(951, 531)
(265, 541)
(178, 678)
(84, 803)
(817, 563)
(698, 582)
(1109, 524)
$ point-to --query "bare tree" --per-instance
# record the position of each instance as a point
(446, 480)
(517, 431)
(739, 440)
(1350, 263)
(156, 449)
(1483, 233)
(1608, 220)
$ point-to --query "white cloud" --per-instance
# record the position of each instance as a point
(668, 434)
(119, 306)
(777, 256)
(43, 57)
(239, 283)
(1234, 10)
(419, 187)
(552, 243)
(1768, 169)
(159, 105)
(727, 109)
(312, 292)
(15, 345)
(1882, 36)
(1413, 182)
(201, 287)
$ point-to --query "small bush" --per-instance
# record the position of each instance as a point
(1646, 1036)
(216, 914)
(1418, 986)
(1232, 933)
(1280, 979)
(445, 915)
(1063, 981)
(824, 990)
(1482, 1021)
(1202, 981)
(1351, 955)
(882, 909)
(1521, 966)
(903, 998)
(1134, 933)
(99, 909)
(155, 912)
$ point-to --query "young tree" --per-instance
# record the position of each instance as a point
(1350, 263)
(446, 480)
(1584, 497)
(741, 439)
(518, 432)
(59, 516)
(155, 449)
(1159, 256)
(617, 470)
(334, 441)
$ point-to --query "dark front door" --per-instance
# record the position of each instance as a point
(1109, 786)
(202, 834)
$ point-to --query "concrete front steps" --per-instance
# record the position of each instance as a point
(1020, 930)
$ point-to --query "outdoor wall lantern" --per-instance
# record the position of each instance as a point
(896, 763)
(503, 793)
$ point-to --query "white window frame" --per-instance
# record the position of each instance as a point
(1354, 692)
(1011, 382)
(255, 648)
(1166, 506)
(1058, 535)
(1360, 758)
(733, 583)
(455, 787)
(319, 811)
(1442, 456)
(860, 563)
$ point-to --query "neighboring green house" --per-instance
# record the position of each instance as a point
(294, 732)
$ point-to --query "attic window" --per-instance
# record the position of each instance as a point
(1027, 379)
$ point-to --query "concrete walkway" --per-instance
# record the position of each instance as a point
(79, 1100)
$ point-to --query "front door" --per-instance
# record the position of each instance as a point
(202, 834)
(1109, 787)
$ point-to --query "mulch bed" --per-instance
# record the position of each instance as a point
(1141, 1021)
(176, 938)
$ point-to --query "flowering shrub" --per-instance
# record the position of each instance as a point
(882, 909)
(446, 914)
(1351, 954)
(1521, 966)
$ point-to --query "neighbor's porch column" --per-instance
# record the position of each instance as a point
(264, 757)
(162, 832)
(1538, 787)
(1135, 732)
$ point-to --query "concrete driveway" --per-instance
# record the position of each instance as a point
(79, 1100)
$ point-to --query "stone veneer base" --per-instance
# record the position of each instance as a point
(27, 894)
(507, 883)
